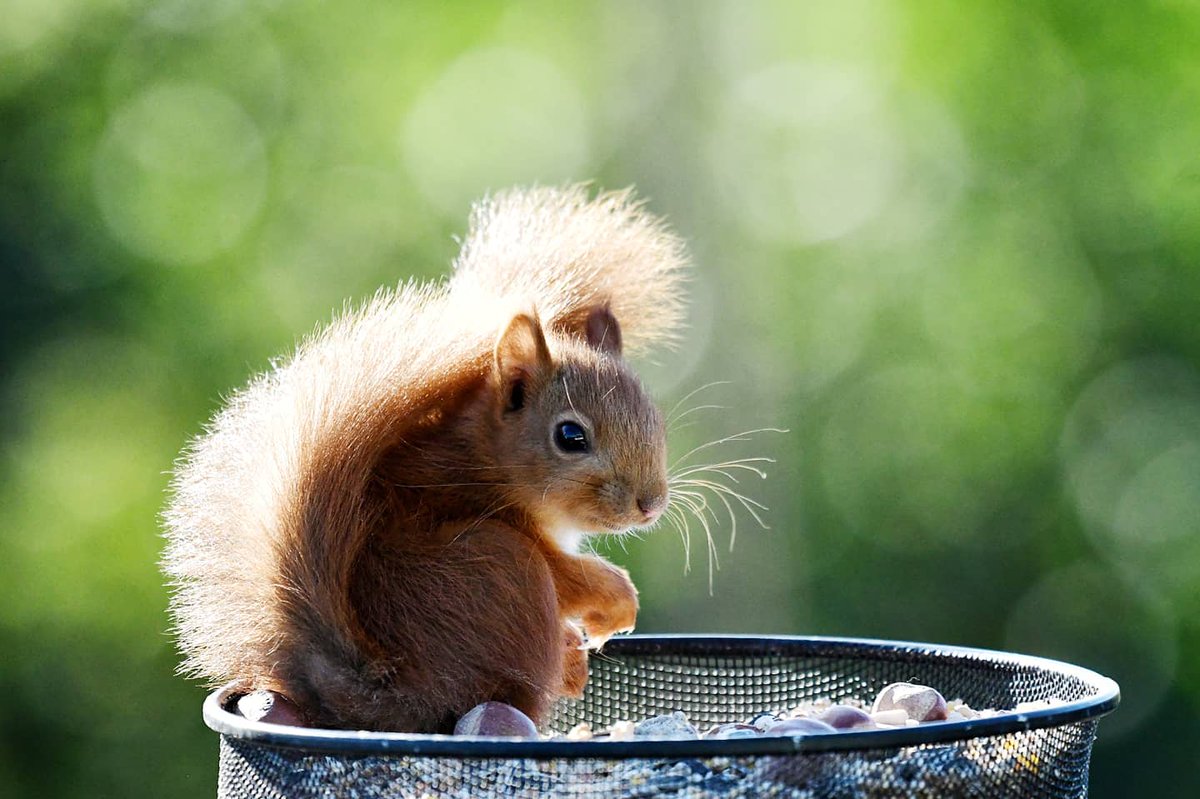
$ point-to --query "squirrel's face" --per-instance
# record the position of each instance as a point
(586, 444)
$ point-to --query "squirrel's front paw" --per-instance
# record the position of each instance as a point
(614, 607)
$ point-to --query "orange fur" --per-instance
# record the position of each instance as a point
(380, 527)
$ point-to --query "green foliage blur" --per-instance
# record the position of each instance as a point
(951, 247)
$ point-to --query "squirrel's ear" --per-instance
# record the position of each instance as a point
(521, 357)
(602, 331)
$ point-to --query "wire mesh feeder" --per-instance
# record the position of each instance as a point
(1041, 753)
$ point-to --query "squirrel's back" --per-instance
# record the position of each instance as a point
(271, 505)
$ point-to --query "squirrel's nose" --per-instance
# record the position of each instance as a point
(652, 505)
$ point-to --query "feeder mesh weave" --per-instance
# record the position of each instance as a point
(714, 687)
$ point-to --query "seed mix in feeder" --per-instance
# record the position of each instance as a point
(955, 769)
(898, 705)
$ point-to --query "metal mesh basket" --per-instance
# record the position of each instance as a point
(1042, 753)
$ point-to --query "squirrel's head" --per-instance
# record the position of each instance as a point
(586, 445)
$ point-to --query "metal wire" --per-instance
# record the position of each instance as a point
(1039, 754)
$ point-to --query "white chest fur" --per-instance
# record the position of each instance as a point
(568, 537)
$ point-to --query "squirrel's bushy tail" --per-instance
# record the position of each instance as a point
(272, 504)
(565, 253)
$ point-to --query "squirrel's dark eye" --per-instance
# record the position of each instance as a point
(570, 437)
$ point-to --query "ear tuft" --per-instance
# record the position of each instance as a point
(602, 330)
(521, 358)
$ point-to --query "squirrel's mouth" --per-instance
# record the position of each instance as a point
(623, 525)
(601, 524)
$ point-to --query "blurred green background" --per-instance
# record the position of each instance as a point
(951, 247)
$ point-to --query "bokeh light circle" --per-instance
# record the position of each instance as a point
(181, 15)
(336, 236)
(836, 297)
(246, 60)
(1088, 614)
(805, 152)
(1160, 506)
(1130, 451)
(29, 23)
(991, 306)
(911, 456)
(180, 173)
(495, 118)
(937, 171)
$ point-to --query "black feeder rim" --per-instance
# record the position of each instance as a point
(1105, 697)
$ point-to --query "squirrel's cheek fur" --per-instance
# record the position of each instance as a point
(368, 529)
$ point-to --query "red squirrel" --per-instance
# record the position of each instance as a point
(384, 528)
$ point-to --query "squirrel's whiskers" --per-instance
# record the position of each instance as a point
(695, 488)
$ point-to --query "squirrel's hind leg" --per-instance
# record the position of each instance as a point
(455, 624)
